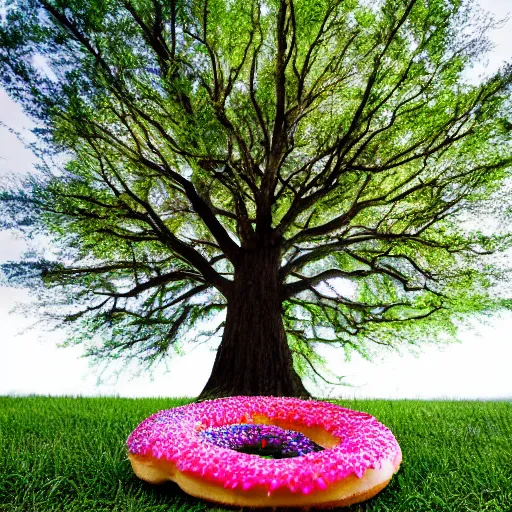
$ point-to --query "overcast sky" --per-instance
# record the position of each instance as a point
(478, 367)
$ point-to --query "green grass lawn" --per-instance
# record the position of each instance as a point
(68, 454)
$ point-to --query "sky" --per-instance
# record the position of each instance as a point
(478, 367)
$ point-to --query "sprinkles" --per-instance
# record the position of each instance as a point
(225, 441)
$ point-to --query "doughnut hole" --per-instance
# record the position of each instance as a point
(317, 434)
(264, 440)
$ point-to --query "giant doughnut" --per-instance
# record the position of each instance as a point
(323, 455)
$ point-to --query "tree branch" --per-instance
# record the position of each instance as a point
(152, 283)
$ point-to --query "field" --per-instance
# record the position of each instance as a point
(68, 454)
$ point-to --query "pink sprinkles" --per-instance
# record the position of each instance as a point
(174, 435)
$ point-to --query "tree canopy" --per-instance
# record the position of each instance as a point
(180, 137)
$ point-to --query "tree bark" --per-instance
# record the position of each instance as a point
(254, 358)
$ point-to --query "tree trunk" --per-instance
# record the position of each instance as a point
(254, 358)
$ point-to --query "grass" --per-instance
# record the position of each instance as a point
(68, 454)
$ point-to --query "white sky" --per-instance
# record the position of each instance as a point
(30, 362)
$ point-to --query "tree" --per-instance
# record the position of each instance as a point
(255, 156)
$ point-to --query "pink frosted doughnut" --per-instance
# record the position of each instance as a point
(360, 456)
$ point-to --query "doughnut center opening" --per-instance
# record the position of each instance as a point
(268, 441)
(317, 434)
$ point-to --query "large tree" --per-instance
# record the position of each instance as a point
(313, 167)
